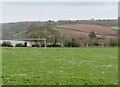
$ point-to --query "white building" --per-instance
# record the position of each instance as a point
(14, 42)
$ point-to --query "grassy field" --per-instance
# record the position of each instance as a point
(0, 66)
(115, 28)
(60, 66)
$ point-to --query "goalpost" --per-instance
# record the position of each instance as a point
(33, 39)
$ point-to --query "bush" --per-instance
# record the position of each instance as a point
(35, 45)
(42, 45)
(54, 45)
(25, 44)
(19, 45)
(114, 42)
(92, 35)
(0, 44)
(7, 44)
(68, 44)
(72, 43)
(92, 41)
(111, 42)
(119, 41)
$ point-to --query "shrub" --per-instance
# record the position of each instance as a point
(54, 45)
(119, 41)
(114, 42)
(72, 43)
(92, 35)
(92, 40)
(25, 44)
(35, 45)
(19, 45)
(111, 42)
(7, 44)
(0, 44)
(42, 45)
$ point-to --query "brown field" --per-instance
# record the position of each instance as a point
(86, 35)
(100, 30)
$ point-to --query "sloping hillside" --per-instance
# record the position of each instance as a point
(19, 29)
(88, 28)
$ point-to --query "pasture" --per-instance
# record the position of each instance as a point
(60, 66)
(115, 27)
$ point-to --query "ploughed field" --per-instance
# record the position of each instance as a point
(88, 28)
(60, 66)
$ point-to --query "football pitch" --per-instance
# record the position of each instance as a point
(60, 66)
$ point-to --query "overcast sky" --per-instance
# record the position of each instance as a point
(59, 0)
(38, 11)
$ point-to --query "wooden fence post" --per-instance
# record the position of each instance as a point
(102, 45)
(87, 44)
(45, 43)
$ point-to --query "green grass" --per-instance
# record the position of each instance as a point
(18, 34)
(60, 66)
(0, 66)
(114, 27)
